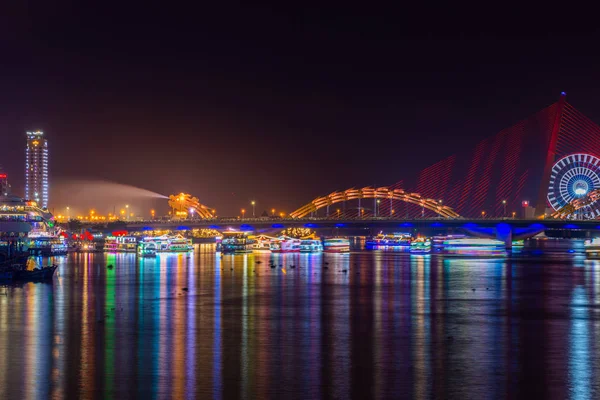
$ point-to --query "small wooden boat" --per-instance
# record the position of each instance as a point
(20, 273)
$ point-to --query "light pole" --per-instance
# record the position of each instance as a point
(253, 209)
(483, 214)
(272, 212)
(243, 213)
(504, 205)
(377, 207)
(127, 207)
(152, 214)
(338, 213)
(68, 213)
(191, 213)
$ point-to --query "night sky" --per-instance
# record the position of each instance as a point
(272, 104)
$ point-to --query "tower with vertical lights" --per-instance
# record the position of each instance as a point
(36, 168)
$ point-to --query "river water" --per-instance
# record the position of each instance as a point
(364, 325)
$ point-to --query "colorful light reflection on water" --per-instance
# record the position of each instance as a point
(368, 325)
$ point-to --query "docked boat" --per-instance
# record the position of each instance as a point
(234, 242)
(474, 247)
(261, 244)
(165, 244)
(120, 244)
(592, 248)
(336, 245)
(389, 240)
(420, 246)
(311, 246)
(42, 244)
(285, 244)
(146, 249)
(20, 272)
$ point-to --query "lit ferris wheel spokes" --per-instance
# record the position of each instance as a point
(573, 177)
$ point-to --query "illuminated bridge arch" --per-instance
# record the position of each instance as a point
(185, 204)
(375, 193)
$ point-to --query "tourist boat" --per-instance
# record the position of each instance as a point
(420, 246)
(146, 249)
(86, 247)
(389, 240)
(285, 244)
(262, 244)
(44, 245)
(311, 246)
(120, 244)
(336, 245)
(165, 244)
(474, 247)
(236, 242)
(592, 248)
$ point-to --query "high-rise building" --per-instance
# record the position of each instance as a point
(36, 168)
(4, 187)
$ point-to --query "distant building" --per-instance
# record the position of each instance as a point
(36, 168)
(4, 186)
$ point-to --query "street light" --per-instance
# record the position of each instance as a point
(272, 212)
(68, 213)
(377, 207)
(483, 214)
(504, 204)
(514, 213)
(152, 213)
(243, 213)
(253, 209)
(127, 207)
(191, 213)
(338, 213)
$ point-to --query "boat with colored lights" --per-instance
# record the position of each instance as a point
(234, 242)
(420, 245)
(592, 248)
(474, 247)
(336, 245)
(120, 244)
(311, 246)
(262, 244)
(285, 244)
(389, 240)
(165, 244)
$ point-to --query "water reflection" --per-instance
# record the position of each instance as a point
(315, 326)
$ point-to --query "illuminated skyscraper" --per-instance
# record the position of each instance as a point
(36, 168)
(4, 187)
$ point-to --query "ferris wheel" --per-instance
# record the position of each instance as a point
(574, 177)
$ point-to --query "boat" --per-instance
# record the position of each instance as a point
(311, 246)
(285, 244)
(234, 242)
(261, 244)
(420, 246)
(389, 240)
(592, 248)
(19, 272)
(47, 245)
(36, 274)
(164, 244)
(336, 245)
(120, 244)
(474, 247)
(146, 249)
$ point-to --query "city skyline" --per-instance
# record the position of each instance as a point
(269, 105)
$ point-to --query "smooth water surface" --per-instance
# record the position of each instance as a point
(365, 325)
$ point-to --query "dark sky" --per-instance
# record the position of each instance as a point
(268, 103)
